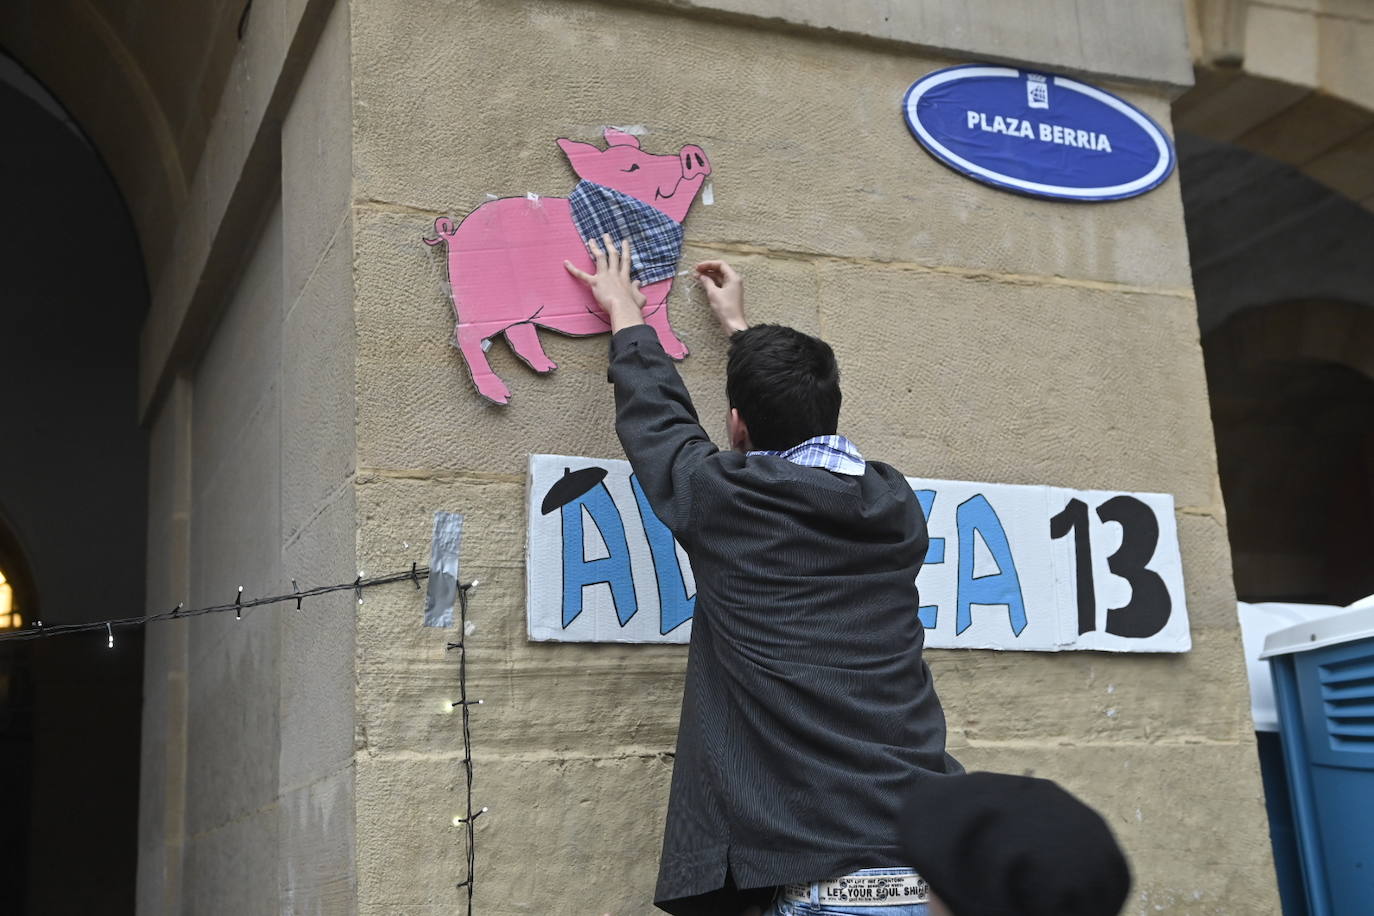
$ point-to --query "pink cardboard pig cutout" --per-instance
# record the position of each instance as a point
(505, 259)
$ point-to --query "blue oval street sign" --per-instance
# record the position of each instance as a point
(1037, 133)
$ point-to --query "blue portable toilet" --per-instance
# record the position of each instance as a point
(1323, 673)
(1257, 621)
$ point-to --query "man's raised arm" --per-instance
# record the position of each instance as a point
(655, 419)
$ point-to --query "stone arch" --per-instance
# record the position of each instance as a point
(1292, 392)
(143, 80)
(1293, 81)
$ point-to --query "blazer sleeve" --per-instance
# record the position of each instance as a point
(657, 424)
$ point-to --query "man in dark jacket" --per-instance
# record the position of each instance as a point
(808, 710)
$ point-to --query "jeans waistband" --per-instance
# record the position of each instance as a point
(867, 887)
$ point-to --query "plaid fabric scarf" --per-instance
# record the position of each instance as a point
(655, 237)
(834, 453)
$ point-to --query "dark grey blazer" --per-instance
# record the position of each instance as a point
(808, 710)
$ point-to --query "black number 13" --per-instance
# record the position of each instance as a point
(1148, 610)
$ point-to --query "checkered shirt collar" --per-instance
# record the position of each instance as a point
(834, 453)
(655, 237)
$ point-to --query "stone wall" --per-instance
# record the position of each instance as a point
(308, 415)
(247, 797)
(982, 336)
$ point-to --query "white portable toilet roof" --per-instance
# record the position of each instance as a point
(1356, 623)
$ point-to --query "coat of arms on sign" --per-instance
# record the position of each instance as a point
(505, 259)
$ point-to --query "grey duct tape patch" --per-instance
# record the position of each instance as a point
(443, 569)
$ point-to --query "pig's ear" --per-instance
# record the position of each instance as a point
(575, 150)
(620, 138)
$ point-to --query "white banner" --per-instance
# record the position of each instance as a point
(1009, 567)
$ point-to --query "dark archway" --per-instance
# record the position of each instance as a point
(16, 721)
(1285, 299)
(1293, 409)
(17, 570)
(72, 491)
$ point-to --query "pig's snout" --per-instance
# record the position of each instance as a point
(694, 162)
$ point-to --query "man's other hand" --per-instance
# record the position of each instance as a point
(611, 285)
(725, 292)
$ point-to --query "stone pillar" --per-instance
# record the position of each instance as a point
(981, 335)
(162, 790)
(247, 800)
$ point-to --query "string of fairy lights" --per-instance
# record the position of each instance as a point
(240, 604)
(466, 820)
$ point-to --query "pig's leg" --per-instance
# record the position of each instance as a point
(488, 384)
(656, 317)
(524, 340)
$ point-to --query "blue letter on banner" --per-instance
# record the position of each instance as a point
(935, 553)
(579, 572)
(675, 608)
(1004, 587)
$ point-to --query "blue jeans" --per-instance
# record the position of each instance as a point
(781, 907)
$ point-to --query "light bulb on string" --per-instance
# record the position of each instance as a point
(459, 820)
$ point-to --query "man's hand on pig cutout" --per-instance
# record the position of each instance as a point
(505, 259)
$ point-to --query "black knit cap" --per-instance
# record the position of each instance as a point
(997, 845)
